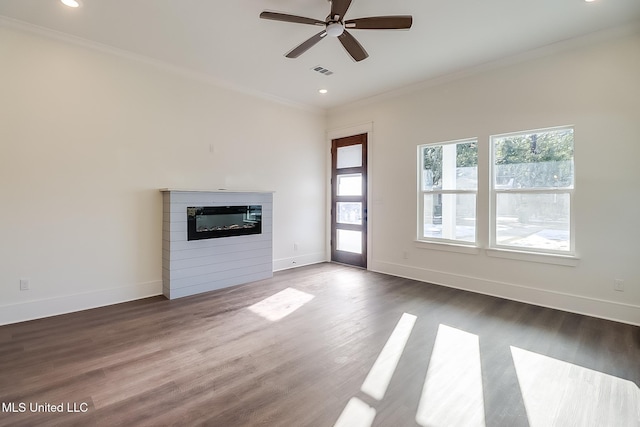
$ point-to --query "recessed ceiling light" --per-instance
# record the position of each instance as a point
(71, 3)
(589, 1)
(323, 91)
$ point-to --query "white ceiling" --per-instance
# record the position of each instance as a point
(228, 42)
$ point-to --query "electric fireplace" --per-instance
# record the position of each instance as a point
(210, 222)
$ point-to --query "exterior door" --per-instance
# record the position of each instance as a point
(349, 200)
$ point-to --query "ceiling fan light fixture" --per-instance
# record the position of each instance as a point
(335, 29)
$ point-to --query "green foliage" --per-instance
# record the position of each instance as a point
(433, 163)
(537, 160)
(466, 156)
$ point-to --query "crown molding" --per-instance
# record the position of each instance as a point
(625, 30)
(208, 79)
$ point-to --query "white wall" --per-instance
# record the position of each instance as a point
(593, 86)
(86, 140)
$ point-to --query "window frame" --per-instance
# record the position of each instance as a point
(421, 192)
(501, 250)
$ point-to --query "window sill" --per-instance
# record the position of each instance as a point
(556, 259)
(447, 246)
(566, 260)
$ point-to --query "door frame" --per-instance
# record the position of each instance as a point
(342, 132)
(355, 259)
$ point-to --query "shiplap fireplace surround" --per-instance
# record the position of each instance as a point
(194, 266)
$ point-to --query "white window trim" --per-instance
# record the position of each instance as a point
(448, 246)
(562, 258)
(522, 253)
(451, 245)
(544, 258)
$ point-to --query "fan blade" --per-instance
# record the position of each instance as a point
(400, 22)
(339, 7)
(275, 16)
(305, 46)
(354, 48)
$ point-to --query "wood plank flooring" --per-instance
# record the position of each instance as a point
(210, 360)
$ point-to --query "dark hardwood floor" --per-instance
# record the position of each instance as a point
(210, 360)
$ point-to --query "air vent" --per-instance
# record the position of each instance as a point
(320, 69)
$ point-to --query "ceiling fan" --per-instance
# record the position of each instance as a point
(336, 26)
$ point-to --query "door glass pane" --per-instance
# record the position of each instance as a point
(350, 185)
(349, 241)
(349, 156)
(349, 213)
(533, 220)
(450, 216)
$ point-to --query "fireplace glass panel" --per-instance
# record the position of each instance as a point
(210, 222)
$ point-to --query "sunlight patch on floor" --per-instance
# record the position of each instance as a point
(452, 394)
(356, 414)
(359, 414)
(377, 381)
(282, 304)
(558, 393)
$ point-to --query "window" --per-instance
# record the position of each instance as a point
(447, 191)
(532, 191)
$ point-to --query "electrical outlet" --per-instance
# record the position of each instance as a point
(405, 255)
(618, 285)
(24, 284)
(295, 247)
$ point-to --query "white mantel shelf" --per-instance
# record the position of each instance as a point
(194, 266)
(219, 190)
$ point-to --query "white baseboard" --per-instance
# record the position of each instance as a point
(610, 310)
(299, 261)
(30, 310)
